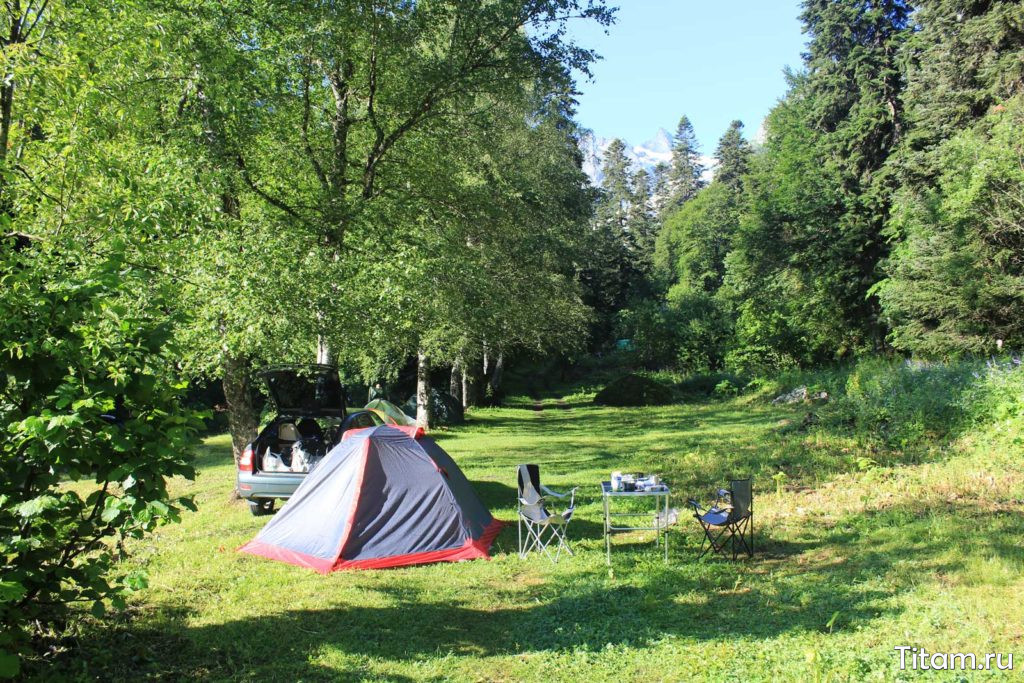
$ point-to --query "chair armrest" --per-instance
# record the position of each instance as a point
(556, 494)
(694, 504)
(571, 494)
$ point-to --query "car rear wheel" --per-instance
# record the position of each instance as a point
(258, 508)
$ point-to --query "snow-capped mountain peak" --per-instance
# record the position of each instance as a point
(657, 150)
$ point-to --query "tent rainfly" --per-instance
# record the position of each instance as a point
(389, 412)
(386, 496)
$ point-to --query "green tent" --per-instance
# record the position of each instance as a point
(389, 412)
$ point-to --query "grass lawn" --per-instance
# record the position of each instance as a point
(859, 552)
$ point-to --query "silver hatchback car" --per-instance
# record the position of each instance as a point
(310, 420)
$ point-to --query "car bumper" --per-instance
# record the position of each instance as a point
(262, 486)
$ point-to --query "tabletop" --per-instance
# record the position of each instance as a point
(606, 490)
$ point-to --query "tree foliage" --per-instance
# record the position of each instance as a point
(89, 396)
(96, 203)
(357, 145)
(953, 280)
(956, 277)
(609, 271)
(191, 189)
(733, 154)
(791, 239)
(883, 207)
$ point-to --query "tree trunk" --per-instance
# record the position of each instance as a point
(323, 351)
(15, 37)
(496, 373)
(455, 383)
(243, 420)
(323, 347)
(6, 102)
(423, 407)
(469, 386)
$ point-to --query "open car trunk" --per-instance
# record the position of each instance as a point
(310, 402)
(290, 447)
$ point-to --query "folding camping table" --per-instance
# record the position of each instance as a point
(660, 515)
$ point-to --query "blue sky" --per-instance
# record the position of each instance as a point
(713, 61)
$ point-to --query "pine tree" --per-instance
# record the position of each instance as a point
(963, 59)
(733, 154)
(683, 176)
(616, 184)
(610, 273)
(955, 275)
(641, 223)
(660, 189)
(810, 249)
(693, 241)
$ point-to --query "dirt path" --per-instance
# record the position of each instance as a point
(538, 406)
(538, 402)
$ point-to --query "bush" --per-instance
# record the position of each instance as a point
(652, 330)
(688, 332)
(759, 385)
(906, 403)
(726, 389)
(759, 361)
(910, 403)
(705, 385)
(1000, 393)
(86, 396)
(634, 390)
(705, 329)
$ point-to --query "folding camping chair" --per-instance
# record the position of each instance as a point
(542, 526)
(730, 519)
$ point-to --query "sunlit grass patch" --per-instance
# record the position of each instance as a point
(857, 553)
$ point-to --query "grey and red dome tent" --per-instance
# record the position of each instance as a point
(386, 496)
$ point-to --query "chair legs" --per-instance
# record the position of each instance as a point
(740, 535)
(536, 538)
(563, 543)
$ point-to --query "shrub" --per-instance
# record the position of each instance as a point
(759, 361)
(652, 330)
(704, 385)
(86, 396)
(912, 402)
(688, 332)
(726, 389)
(997, 393)
(704, 329)
(759, 385)
(634, 390)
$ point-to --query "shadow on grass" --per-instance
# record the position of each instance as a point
(616, 424)
(843, 578)
(584, 613)
(551, 404)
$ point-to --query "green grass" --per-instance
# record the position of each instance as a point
(859, 551)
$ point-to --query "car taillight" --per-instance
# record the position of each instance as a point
(245, 462)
